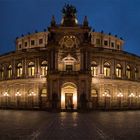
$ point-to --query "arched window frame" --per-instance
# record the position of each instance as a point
(106, 93)
(118, 71)
(44, 68)
(120, 93)
(69, 63)
(128, 72)
(94, 69)
(107, 69)
(19, 70)
(31, 69)
(18, 93)
(44, 92)
(135, 73)
(2, 72)
(10, 71)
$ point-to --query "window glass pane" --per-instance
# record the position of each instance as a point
(112, 44)
(31, 69)
(32, 42)
(68, 67)
(105, 42)
(118, 71)
(40, 41)
(118, 47)
(128, 72)
(98, 41)
(94, 70)
(106, 71)
(25, 44)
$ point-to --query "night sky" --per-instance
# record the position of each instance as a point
(119, 17)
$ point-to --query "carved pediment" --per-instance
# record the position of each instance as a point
(69, 42)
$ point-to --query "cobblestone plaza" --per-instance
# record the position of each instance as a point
(41, 125)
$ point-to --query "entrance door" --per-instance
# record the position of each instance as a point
(69, 100)
(69, 96)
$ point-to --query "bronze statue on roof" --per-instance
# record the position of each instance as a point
(69, 11)
(69, 15)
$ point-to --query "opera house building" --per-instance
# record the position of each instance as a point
(69, 66)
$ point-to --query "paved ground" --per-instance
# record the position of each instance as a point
(33, 125)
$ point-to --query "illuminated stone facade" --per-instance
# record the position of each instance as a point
(69, 66)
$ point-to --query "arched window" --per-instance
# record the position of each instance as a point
(6, 97)
(106, 69)
(119, 93)
(31, 69)
(136, 73)
(2, 73)
(128, 72)
(31, 92)
(9, 71)
(19, 70)
(44, 92)
(69, 63)
(44, 68)
(106, 93)
(18, 93)
(94, 69)
(31, 98)
(119, 71)
(93, 93)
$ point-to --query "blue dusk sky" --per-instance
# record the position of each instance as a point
(119, 17)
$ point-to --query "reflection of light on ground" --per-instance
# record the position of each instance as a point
(74, 115)
(75, 119)
(69, 118)
(122, 125)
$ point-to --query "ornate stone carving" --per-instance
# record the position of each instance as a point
(69, 42)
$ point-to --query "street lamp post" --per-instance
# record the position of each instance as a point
(18, 95)
(120, 95)
(6, 95)
(131, 96)
(106, 96)
(32, 95)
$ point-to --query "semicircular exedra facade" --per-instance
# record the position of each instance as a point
(69, 66)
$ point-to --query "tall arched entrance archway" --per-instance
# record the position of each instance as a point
(69, 96)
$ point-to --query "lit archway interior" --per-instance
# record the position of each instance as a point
(69, 96)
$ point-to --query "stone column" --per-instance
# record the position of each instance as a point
(24, 67)
(81, 60)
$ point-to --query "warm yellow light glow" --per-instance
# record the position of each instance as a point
(74, 98)
(76, 21)
(32, 94)
(68, 88)
(43, 95)
(63, 98)
(18, 94)
(6, 94)
(106, 94)
(120, 94)
(132, 95)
